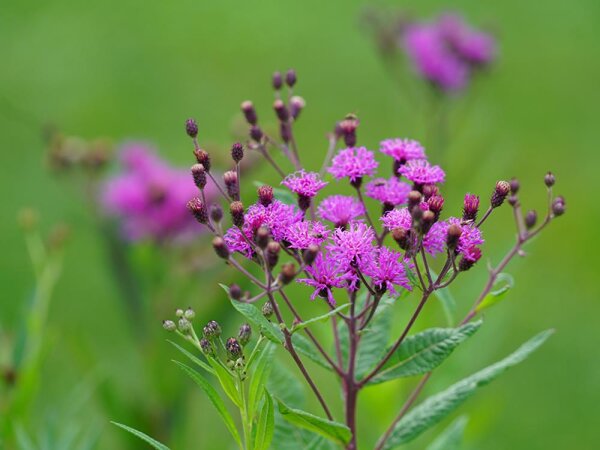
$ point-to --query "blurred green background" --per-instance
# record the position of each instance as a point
(125, 69)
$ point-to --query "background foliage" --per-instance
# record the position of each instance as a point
(138, 69)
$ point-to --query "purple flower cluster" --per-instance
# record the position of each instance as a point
(353, 163)
(447, 51)
(148, 197)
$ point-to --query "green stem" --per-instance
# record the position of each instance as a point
(246, 421)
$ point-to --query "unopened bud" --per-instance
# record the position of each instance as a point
(267, 310)
(427, 221)
(216, 213)
(272, 253)
(530, 219)
(256, 133)
(453, 235)
(348, 128)
(414, 199)
(280, 110)
(235, 292)
(470, 207)
(189, 313)
(430, 190)
(237, 152)
(212, 329)
(310, 254)
(436, 204)
(297, 104)
(244, 334)
(288, 273)
(500, 192)
(513, 200)
(206, 347)
(277, 80)
(184, 325)
(230, 179)
(179, 312)
(169, 325)
(558, 206)
(220, 247)
(198, 210)
(265, 195)
(234, 349)
(263, 237)
(514, 186)
(237, 213)
(199, 175)
(549, 179)
(466, 263)
(402, 237)
(191, 128)
(249, 112)
(203, 158)
(290, 78)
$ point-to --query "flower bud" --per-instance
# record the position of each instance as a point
(272, 253)
(237, 152)
(237, 213)
(198, 210)
(212, 329)
(169, 325)
(297, 104)
(558, 206)
(199, 175)
(280, 110)
(184, 325)
(402, 237)
(234, 349)
(191, 128)
(267, 309)
(203, 158)
(285, 132)
(263, 237)
(206, 347)
(430, 190)
(414, 199)
(348, 128)
(310, 254)
(514, 186)
(244, 334)
(290, 78)
(256, 133)
(179, 312)
(513, 200)
(427, 221)
(216, 213)
(277, 80)
(231, 184)
(265, 195)
(549, 179)
(500, 192)
(220, 247)
(249, 112)
(436, 204)
(454, 233)
(530, 219)
(189, 313)
(288, 273)
(465, 264)
(470, 207)
(235, 292)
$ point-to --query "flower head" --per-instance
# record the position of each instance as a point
(301, 235)
(387, 270)
(325, 275)
(391, 191)
(353, 246)
(353, 163)
(397, 218)
(303, 183)
(469, 239)
(340, 209)
(420, 171)
(475, 47)
(402, 150)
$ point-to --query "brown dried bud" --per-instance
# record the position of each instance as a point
(430, 190)
(414, 199)
(272, 253)
(454, 233)
(198, 210)
(288, 273)
(203, 158)
(220, 247)
(402, 237)
(237, 213)
(237, 152)
(427, 221)
(199, 175)
(263, 237)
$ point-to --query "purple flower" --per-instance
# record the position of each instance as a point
(149, 197)
(391, 191)
(419, 171)
(469, 239)
(397, 218)
(340, 209)
(306, 184)
(303, 234)
(434, 240)
(353, 246)
(354, 163)
(325, 275)
(474, 47)
(402, 150)
(387, 270)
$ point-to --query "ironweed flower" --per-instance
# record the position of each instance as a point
(353, 163)
(390, 192)
(340, 209)
(324, 276)
(420, 172)
(402, 150)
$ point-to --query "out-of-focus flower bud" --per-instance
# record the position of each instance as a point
(235, 292)
(199, 175)
(189, 313)
(216, 213)
(277, 80)
(272, 253)
(290, 77)
(191, 128)
(267, 310)
(237, 213)
(249, 112)
(169, 325)
(244, 334)
(500, 192)
(454, 233)
(220, 247)
(514, 186)
(288, 273)
(234, 349)
(184, 325)
(549, 179)
(198, 210)
(263, 237)
(470, 207)
(310, 254)
(237, 152)
(465, 264)
(281, 110)
(265, 195)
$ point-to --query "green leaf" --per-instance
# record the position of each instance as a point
(144, 437)
(215, 399)
(226, 380)
(438, 406)
(504, 282)
(266, 424)
(306, 348)
(335, 431)
(424, 351)
(259, 378)
(375, 338)
(285, 385)
(192, 358)
(451, 438)
(253, 314)
(322, 318)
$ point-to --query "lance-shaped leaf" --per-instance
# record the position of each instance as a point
(438, 406)
(504, 282)
(144, 437)
(215, 399)
(259, 377)
(337, 432)
(322, 318)
(266, 424)
(193, 358)
(306, 348)
(424, 351)
(451, 438)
